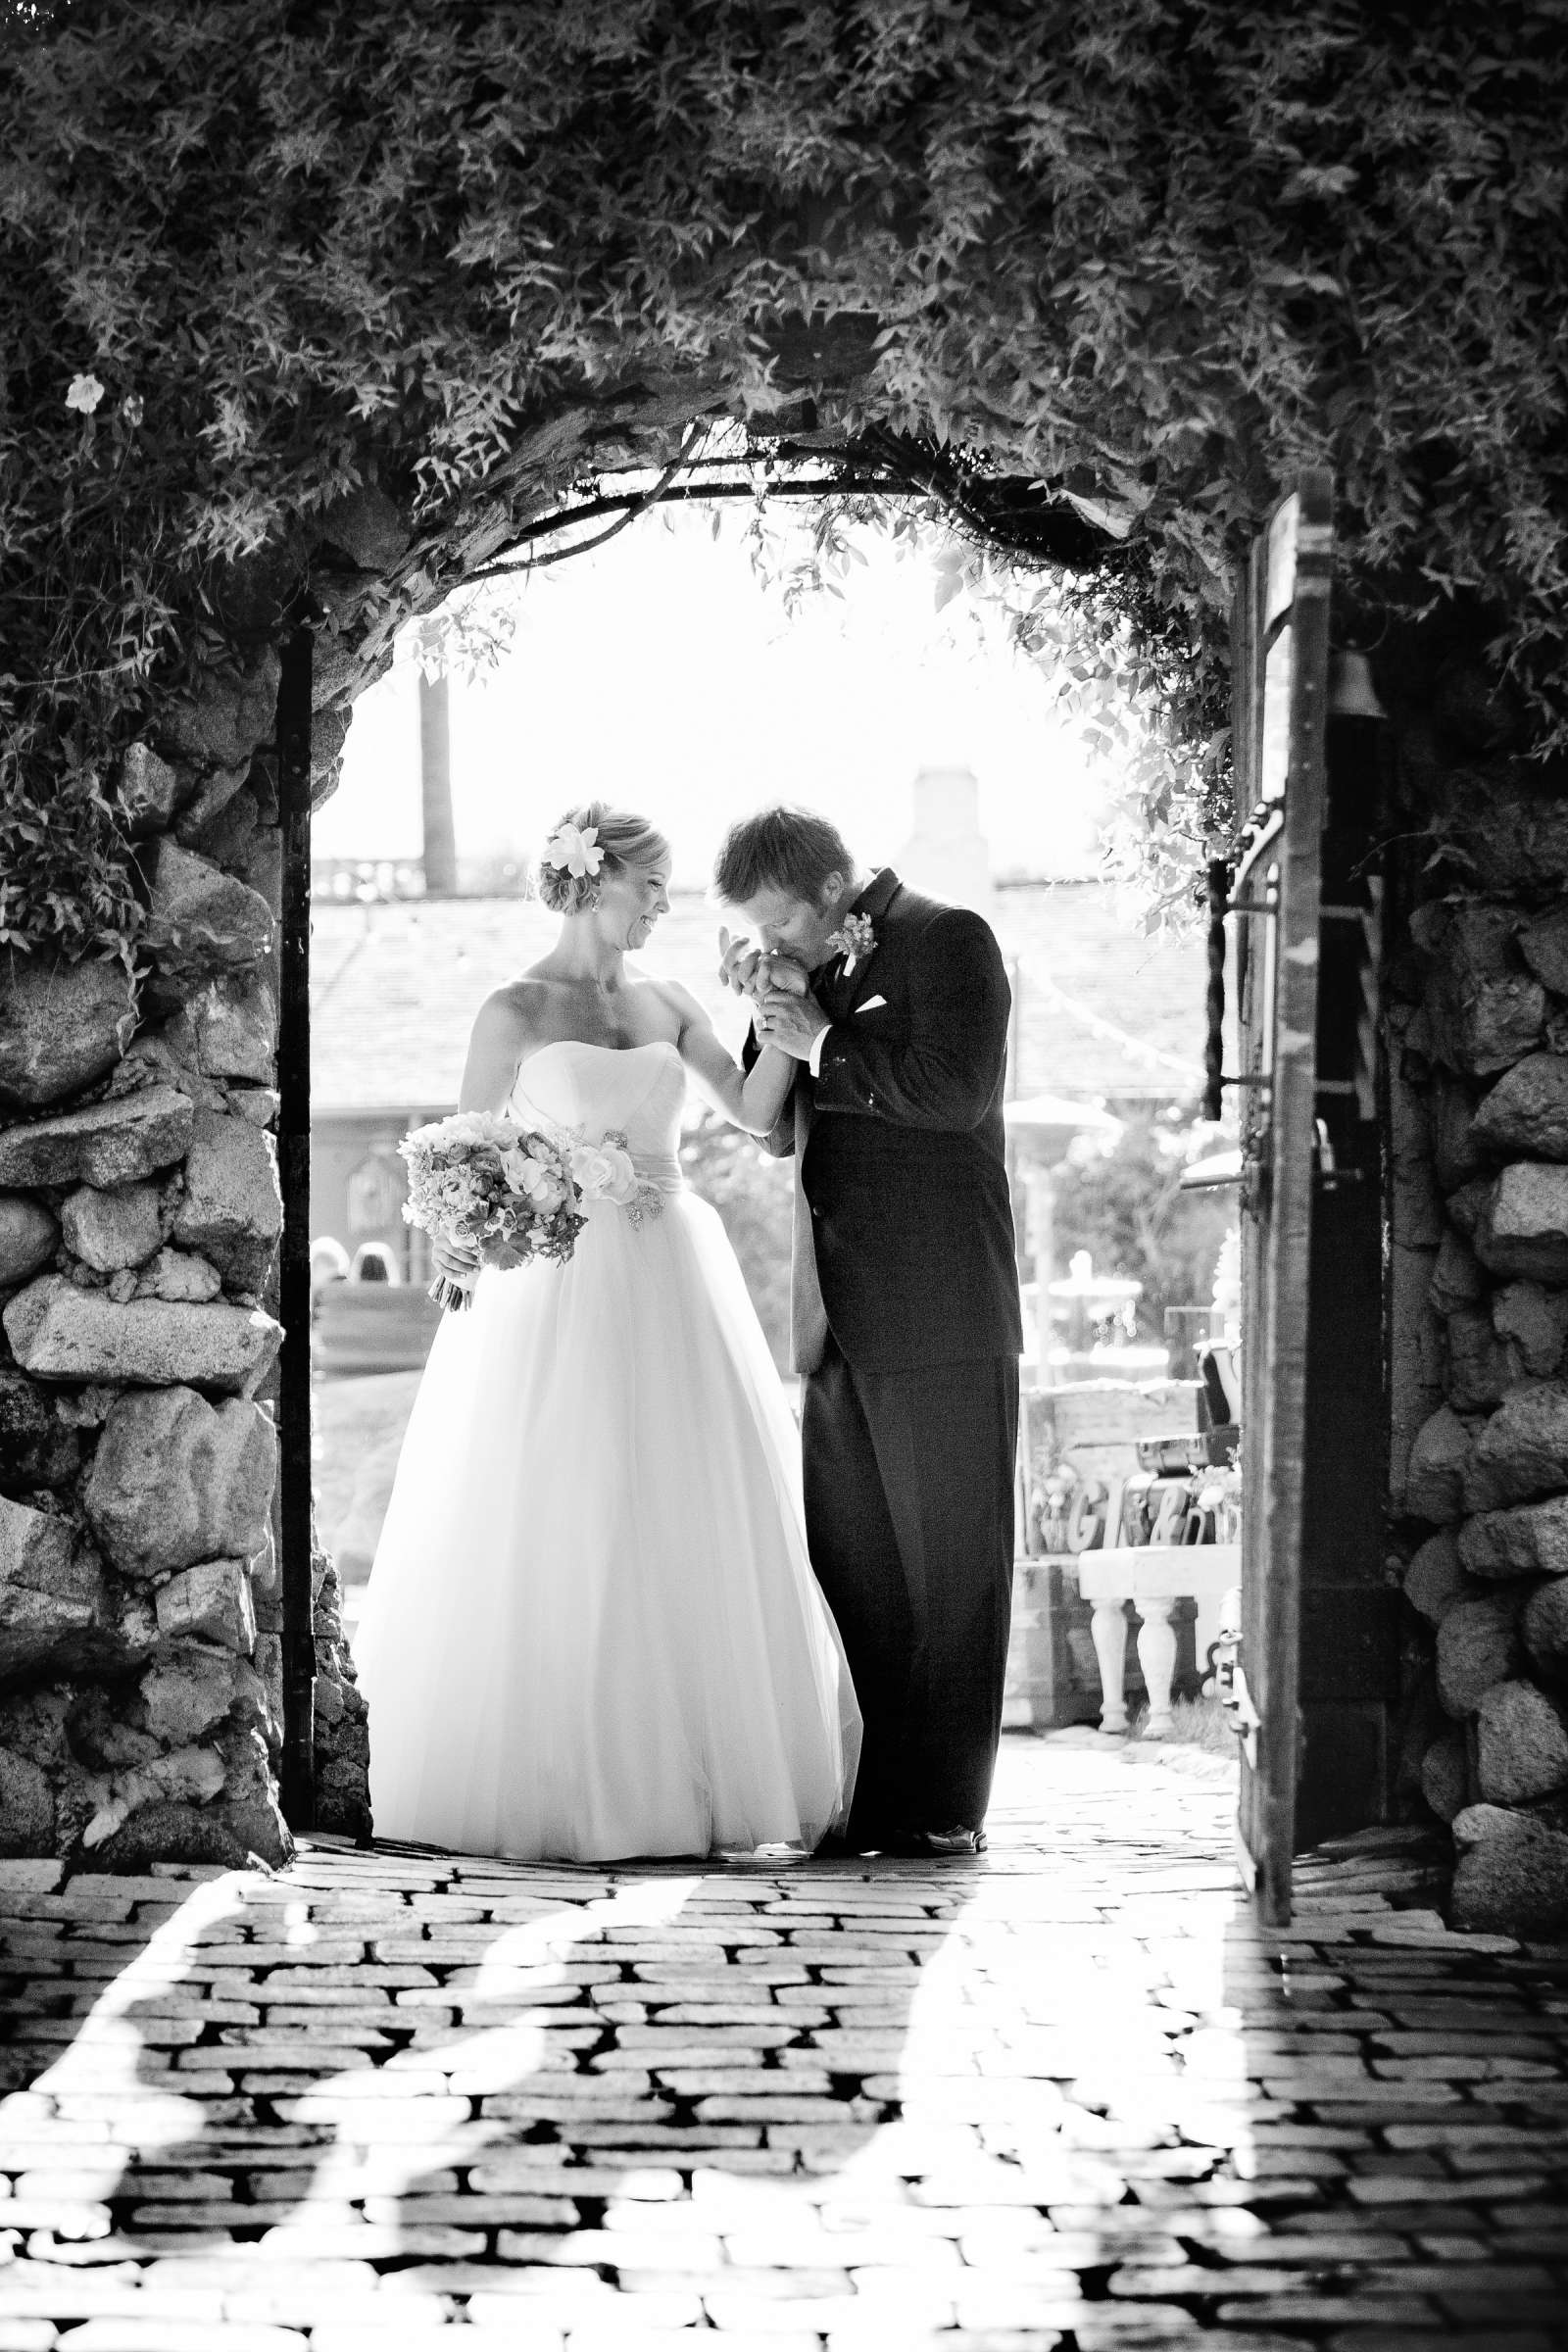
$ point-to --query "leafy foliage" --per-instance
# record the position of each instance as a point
(1155, 254)
(1126, 1207)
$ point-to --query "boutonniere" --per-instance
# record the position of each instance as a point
(854, 937)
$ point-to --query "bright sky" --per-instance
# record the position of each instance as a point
(659, 674)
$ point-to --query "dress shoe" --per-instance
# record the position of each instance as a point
(940, 1845)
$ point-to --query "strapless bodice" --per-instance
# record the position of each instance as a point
(634, 1090)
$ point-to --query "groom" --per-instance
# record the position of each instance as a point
(904, 1306)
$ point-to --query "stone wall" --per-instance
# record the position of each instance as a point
(1478, 1032)
(140, 1595)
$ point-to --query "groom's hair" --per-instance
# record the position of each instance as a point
(780, 848)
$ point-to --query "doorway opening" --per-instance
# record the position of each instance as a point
(900, 678)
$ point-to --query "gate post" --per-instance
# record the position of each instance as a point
(298, 1791)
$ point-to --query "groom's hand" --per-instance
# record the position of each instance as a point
(791, 1021)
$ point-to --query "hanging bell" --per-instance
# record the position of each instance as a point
(1351, 693)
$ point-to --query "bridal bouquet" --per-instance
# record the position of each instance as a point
(491, 1185)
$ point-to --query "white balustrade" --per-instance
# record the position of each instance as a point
(1154, 1574)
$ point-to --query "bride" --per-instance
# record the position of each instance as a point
(591, 1629)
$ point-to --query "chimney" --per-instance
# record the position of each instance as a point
(946, 855)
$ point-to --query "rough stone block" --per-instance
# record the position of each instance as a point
(36, 1449)
(1523, 1225)
(1535, 1321)
(1529, 1540)
(222, 820)
(1544, 1626)
(1512, 1874)
(210, 1602)
(1445, 1774)
(232, 1210)
(1521, 1744)
(1525, 1116)
(150, 790)
(1484, 1009)
(1435, 1578)
(193, 1773)
(223, 723)
(1457, 1278)
(62, 1025)
(1434, 1486)
(61, 1333)
(1456, 1155)
(186, 1691)
(265, 1569)
(112, 1227)
(176, 1481)
(258, 1103)
(1480, 1370)
(106, 1144)
(263, 870)
(1477, 1646)
(29, 1236)
(179, 1274)
(367, 527)
(26, 1806)
(199, 920)
(1543, 945)
(1466, 1207)
(1523, 1450)
(56, 1608)
(229, 1030)
(233, 1836)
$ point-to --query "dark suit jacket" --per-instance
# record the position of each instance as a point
(903, 1239)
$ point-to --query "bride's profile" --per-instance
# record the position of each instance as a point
(591, 1631)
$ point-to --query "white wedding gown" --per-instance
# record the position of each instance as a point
(591, 1629)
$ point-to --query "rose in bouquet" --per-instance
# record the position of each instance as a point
(491, 1188)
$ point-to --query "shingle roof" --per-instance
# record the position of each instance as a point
(1106, 1013)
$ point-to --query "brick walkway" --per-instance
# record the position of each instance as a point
(1067, 2095)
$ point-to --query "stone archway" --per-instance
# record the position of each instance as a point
(184, 1637)
(1160, 372)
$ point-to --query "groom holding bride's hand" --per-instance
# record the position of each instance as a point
(905, 1299)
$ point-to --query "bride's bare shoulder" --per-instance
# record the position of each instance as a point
(513, 1009)
(674, 999)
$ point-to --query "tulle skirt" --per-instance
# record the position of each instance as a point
(591, 1629)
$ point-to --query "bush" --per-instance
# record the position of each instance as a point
(1126, 1207)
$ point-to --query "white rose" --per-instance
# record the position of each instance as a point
(84, 395)
(534, 1182)
(604, 1172)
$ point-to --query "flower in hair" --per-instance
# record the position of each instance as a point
(575, 849)
(854, 937)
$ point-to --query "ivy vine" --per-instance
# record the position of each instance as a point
(1147, 258)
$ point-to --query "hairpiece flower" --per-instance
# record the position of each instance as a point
(576, 850)
(854, 937)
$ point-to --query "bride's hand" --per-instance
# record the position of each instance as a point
(738, 963)
(456, 1263)
(790, 978)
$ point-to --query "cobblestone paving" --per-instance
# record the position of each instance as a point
(1067, 2095)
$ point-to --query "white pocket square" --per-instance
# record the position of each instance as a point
(870, 1004)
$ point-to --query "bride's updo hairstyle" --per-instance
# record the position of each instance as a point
(625, 840)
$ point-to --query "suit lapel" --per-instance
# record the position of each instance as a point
(875, 901)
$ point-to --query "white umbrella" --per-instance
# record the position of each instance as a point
(1052, 1120)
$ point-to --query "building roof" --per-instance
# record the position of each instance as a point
(1106, 1013)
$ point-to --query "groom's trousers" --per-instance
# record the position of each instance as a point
(909, 1517)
